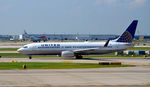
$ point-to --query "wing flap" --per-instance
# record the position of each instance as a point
(91, 49)
(85, 50)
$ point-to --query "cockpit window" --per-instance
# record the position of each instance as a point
(25, 47)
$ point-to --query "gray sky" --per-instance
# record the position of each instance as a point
(73, 16)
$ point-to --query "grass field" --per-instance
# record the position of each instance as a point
(8, 49)
(113, 56)
(38, 65)
(11, 54)
(138, 41)
(139, 48)
(19, 55)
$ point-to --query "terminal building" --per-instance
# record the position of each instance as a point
(70, 36)
(83, 37)
(5, 37)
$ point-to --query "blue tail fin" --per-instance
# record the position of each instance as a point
(128, 35)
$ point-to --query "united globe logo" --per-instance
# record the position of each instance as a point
(125, 37)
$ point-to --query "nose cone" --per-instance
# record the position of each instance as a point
(20, 50)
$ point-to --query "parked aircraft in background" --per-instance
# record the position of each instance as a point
(77, 49)
(35, 38)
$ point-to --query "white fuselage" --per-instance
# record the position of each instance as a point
(71, 49)
(56, 48)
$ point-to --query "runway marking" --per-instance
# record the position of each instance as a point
(55, 86)
(67, 61)
(146, 84)
(99, 85)
(115, 85)
(39, 86)
(84, 85)
(24, 86)
(70, 86)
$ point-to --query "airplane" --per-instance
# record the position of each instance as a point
(77, 49)
(35, 38)
(38, 38)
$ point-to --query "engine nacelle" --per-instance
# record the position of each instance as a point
(67, 54)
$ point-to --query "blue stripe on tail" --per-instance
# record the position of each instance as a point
(128, 35)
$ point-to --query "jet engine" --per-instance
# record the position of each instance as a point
(67, 54)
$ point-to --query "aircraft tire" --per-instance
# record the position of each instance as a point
(79, 57)
(30, 57)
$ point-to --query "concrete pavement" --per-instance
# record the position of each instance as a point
(71, 77)
(129, 61)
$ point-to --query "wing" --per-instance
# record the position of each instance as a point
(84, 50)
(90, 49)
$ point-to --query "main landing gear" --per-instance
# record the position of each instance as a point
(79, 56)
(30, 57)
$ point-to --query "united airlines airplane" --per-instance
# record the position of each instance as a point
(77, 49)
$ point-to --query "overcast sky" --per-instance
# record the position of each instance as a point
(73, 16)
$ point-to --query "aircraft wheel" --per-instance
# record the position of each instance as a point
(30, 57)
(79, 57)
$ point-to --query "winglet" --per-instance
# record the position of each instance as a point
(106, 44)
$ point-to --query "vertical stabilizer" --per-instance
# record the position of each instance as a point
(128, 35)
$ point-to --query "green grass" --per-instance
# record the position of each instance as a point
(39, 65)
(8, 49)
(113, 56)
(110, 55)
(139, 48)
(36, 56)
(19, 55)
(11, 54)
(8, 41)
(138, 41)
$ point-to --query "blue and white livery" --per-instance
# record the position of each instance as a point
(77, 49)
